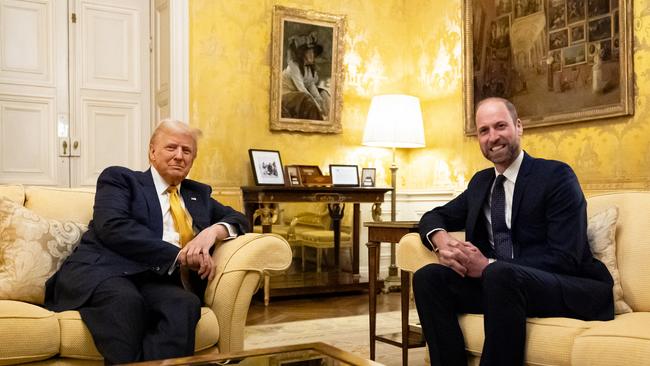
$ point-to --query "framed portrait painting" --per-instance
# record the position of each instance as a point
(558, 61)
(306, 70)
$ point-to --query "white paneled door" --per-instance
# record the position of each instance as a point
(74, 89)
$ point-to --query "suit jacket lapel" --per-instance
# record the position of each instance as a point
(152, 200)
(476, 205)
(520, 188)
(191, 200)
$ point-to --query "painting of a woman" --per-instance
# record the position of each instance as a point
(304, 95)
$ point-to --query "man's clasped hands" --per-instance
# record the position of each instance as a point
(461, 256)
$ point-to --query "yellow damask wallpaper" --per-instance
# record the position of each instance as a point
(392, 46)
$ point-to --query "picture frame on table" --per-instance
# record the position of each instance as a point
(267, 167)
(344, 175)
(307, 49)
(293, 176)
(368, 177)
(557, 61)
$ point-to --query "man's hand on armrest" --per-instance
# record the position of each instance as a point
(451, 251)
(196, 253)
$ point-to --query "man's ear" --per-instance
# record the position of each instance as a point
(151, 152)
(520, 127)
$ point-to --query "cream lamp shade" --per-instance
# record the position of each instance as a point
(394, 120)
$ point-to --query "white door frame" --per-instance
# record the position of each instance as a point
(179, 61)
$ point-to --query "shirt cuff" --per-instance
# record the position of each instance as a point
(232, 232)
(173, 266)
(435, 248)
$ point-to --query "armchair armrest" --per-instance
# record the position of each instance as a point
(241, 264)
(412, 255)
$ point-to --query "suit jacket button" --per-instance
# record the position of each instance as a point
(157, 269)
(125, 273)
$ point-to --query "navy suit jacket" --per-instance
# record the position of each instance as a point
(548, 227)
(125, 235)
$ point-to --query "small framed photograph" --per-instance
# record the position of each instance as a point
(344, 175)
(293, 175)
(267, 167)
(368, 177)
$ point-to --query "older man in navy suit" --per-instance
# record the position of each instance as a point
(526, 252)
(139, 273)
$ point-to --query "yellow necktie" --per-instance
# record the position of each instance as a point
(182, 221)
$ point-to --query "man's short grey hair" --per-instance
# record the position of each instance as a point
(512, 110)
(173, 125)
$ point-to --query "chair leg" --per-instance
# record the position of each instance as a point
(267, 289)
(318, 255)
(303, 258)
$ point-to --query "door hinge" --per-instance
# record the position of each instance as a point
(73, 17)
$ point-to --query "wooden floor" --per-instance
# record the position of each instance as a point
(285, 309)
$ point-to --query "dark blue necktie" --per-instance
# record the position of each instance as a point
(500, 231)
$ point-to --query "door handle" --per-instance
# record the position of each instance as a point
(76, 151)
(64, 147)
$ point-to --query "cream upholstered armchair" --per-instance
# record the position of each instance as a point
(39, 226)
(619, 234)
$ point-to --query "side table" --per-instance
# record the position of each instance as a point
(390, 232)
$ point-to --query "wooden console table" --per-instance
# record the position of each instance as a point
(260, 198)
(390, 232)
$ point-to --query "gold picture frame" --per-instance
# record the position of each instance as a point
(558, 61)
(306, 71)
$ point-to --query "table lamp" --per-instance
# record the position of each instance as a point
(395, 121)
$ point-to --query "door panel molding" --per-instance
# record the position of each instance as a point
(26, 140)
(26, 59)
(115, 65)
(110, 134)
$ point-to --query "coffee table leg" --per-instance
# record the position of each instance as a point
(372, 293)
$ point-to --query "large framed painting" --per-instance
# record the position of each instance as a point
(558, 61)
(306, 74)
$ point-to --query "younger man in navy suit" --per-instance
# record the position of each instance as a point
(526, 252)
(139, 273)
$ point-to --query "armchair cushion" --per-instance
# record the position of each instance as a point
(623, 341)
(29, 333)
(77, 342)
(323, 238)
(32, 248)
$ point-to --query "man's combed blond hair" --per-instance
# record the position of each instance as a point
(176, 126)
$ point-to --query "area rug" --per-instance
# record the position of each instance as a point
(347, 333)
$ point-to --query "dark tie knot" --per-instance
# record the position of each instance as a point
(500, 179)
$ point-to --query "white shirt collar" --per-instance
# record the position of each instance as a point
(513, 170)
(160, 183)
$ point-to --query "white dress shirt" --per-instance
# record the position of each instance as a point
(509, 188)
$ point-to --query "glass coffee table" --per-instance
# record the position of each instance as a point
(309, 354)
